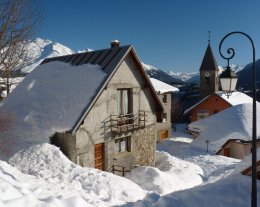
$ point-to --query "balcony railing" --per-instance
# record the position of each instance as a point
(123, 123)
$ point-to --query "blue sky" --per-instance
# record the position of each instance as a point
(169, 34)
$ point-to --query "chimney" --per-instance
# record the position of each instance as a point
(115, 44)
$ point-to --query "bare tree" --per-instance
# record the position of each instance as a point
(18, 22)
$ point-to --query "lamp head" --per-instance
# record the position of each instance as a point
(228, 81)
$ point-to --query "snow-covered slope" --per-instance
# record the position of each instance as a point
(39, 49)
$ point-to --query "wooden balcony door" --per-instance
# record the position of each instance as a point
(100, 156)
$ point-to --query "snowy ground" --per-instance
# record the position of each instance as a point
(184, 177)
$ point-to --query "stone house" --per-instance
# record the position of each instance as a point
(165, 93)
(236, 148)
(118, 126)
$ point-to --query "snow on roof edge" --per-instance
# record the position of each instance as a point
(162, 87)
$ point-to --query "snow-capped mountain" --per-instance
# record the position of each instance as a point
(245, 76)
(39, 49)
(235, 68)
(156, 73)
(184, 76)
(194, 77)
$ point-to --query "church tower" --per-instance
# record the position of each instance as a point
(208, 74)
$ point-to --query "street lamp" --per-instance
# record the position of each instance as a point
(231, 53)
(228, 81)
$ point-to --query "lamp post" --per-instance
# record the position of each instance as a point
(231, 53)
(207, 143)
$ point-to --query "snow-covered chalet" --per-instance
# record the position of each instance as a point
(99, 107)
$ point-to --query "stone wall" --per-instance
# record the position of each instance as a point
(145, 146)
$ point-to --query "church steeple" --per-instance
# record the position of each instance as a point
(208, 62)
(208, 73)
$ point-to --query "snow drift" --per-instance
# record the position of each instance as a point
(171, 174)
(43, 176)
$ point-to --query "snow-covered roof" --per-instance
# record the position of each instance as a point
(162, 87)
(50, 99)
(235, 99)
(231, 123)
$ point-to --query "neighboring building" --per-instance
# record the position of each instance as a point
(209, 82)
(236, 148)
(248, 171)
(165, 93)
(215, 103)
(105, 119)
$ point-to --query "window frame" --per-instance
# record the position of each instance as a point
(121, 106)
(122, 145)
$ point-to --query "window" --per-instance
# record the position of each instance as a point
(123, 145)
(164, 134)
(164, 117)
(165, 98)
(201, 114)
(124, 101)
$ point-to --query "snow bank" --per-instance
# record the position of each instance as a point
(162, 87)
(50, 99)
(44, 176)
(232, 123)
(171, 174)
(210, 167)
(232, 191)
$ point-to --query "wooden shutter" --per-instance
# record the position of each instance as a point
(100, 156)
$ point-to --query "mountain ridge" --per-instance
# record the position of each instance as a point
(39, 49)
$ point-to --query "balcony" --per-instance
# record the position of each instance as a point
(128, 122)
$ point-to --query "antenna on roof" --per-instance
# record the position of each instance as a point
(209, 37)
